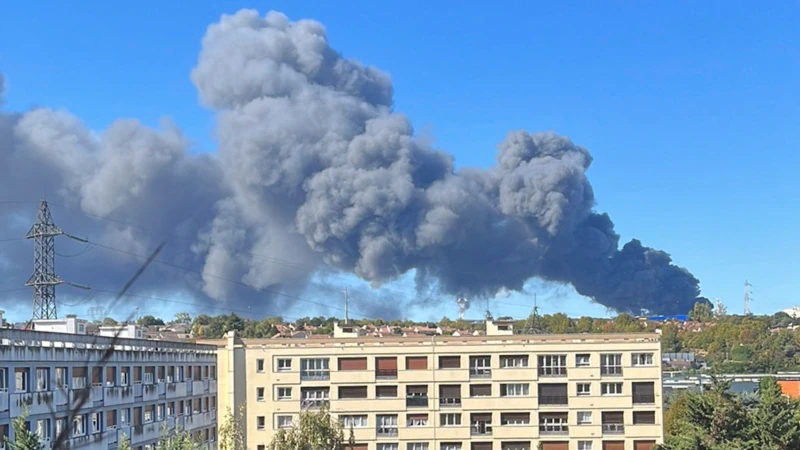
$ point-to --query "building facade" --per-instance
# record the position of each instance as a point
(498, 391)
(144, 388)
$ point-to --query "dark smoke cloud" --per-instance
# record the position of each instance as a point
(315, 167)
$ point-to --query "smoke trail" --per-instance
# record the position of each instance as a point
(314, 166)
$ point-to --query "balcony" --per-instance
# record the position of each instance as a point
(450, 402)
(553, 400)
(611, 371)
(613, 428)
(552, 371)
(644, 399)
(554, 429)
(480, 372)
(315, 375)
(417, 402)
(386, 374)
(310, 403)
(387, 431)
(481, 429)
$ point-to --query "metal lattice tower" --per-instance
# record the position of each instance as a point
(44, 279)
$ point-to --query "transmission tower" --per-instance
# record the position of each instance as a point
(44, 279)
(532, 324)
(747, 298)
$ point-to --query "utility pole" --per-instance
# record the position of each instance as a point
(44, 279)
(747, 298)
(346, 301)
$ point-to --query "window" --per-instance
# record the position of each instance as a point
(97, 422)
(391, 446)
(386, 391)
(314, 397)
(3, 380)
(79, 425)
(642, 359)
(148, 414)
(643, 392)
(61, 377)
(124, 417)
(350, 392)
(584, 445)
(386, 368)
(521, 418)
(553, 394)
(582, 360)
(481, 423)
(513, 361)
(522, 445)
(42, 379)
(416, 363)
(314, 369)
(351, 364)
(43, 429)
(387, 425)
(259, 365)
(417, 446)
(515, 390)
(449, 362)
(21, 379)
(450, 395)
(584, 389)
(261, 447)
(451, 420)
(644, 418)
(283, 364)
(260, 422)
(260, 394)
(584, 417)
(359, 421)
(416, 420)
(611, 388)
(611, 364)
(284, 422)
(480, 390)
(552, 365)
(284, 393)
(480, 366)
(450, 446)
(553, 423)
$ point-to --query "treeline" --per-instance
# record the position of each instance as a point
(718, 419)
(727, 343)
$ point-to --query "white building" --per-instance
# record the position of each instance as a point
(144, 387)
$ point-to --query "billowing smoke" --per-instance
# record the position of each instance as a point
(315, 169)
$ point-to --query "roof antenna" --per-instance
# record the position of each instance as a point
(346, 301)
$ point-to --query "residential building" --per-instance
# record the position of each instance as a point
(497, 391)
(142, 389)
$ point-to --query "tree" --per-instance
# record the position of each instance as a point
(148, 321)
(124, 443)
(178, 439)
(313, 430)
(24, 438)
(701, 312)
(109, 322)
(183, 317)
(775, 419)
(230, 433)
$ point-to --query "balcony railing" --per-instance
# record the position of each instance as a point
(613, 428)
(313, 403)
(553, 429)
(480, 372)
(481, 429)
(417, 402)
(553, 400)
(387, 431)
(315, 375)
(611, 371)
(644, 398)
(386, 374)
(552, 371)
(450, 401)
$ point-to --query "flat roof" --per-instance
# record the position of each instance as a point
(14, 337)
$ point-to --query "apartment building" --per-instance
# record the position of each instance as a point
(498, 391)
(144, 388)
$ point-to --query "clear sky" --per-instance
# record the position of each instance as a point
(690, 109)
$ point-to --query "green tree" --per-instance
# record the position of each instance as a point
(109, 322)
(124, 443)
(775, 420)
(24, 438)
(230, 435)
(701, 312)
(148, 321)
(178, 439)
(183, 317)
(313, 430)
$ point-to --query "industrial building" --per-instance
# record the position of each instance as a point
(496, 391)
(145, 388)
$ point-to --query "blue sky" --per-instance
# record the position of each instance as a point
(690, 109)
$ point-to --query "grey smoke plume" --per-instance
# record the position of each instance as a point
(315, 167)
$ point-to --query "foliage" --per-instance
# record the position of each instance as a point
(719, 420)
(109, 322)
(313, 430)
(183, 317)
(701, 312)
(24, 438)
(124, 443)
(230, 434)
(177, 439)
(148, 321)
